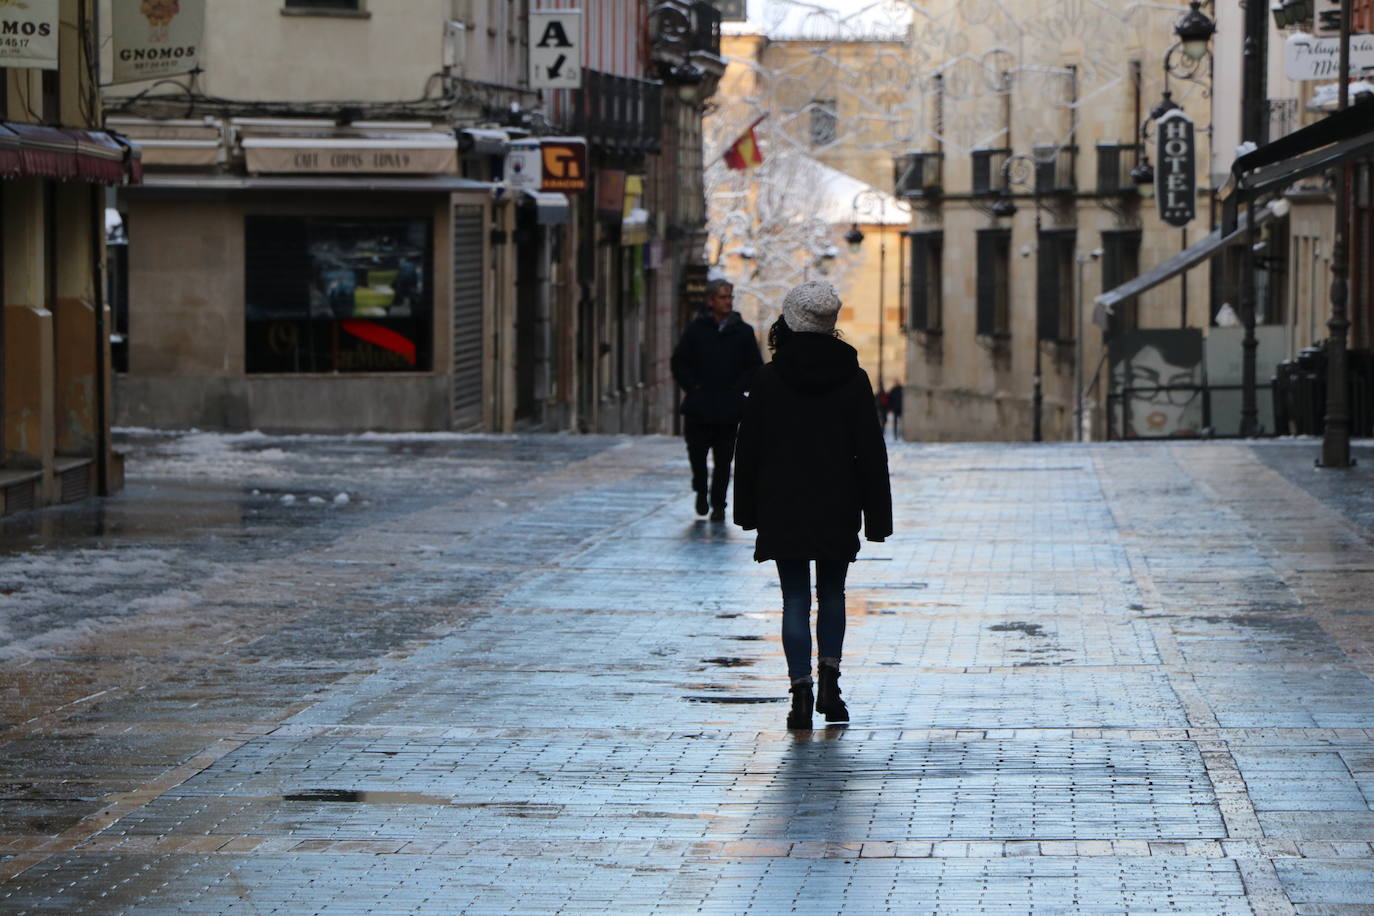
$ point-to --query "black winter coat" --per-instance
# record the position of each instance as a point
(810, 458)
(715, 365)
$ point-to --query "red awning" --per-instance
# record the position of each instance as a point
(9, 153)
(68, 154)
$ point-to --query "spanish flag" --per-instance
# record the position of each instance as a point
(744, 153)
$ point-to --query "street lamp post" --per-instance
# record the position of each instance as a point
(866, 202)
(1019, 172)
(1336, 429)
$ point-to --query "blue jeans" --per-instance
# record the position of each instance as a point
(795, 578)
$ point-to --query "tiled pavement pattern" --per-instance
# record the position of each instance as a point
(517, 676)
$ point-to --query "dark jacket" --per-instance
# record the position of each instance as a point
(715, 365)
(810, 458)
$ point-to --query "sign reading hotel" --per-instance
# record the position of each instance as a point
(28, 33)
(565, 164)
(156, 38)
(1176, 188)
(555, 49)
(1306, 58)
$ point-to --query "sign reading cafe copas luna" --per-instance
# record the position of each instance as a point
(1176, 179)
(28, 34)
(156, 38)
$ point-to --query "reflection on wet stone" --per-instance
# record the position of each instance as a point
(516, 674)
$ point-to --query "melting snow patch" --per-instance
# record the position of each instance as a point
(288, 499)
(341, 499)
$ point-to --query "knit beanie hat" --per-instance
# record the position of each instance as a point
(811, 307)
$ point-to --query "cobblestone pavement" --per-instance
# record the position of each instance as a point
(516, 675)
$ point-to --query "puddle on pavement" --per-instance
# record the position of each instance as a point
(728, 661)
(356, 796)
(1018, 626)
(734, 700)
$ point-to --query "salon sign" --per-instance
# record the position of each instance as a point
(28, 33)
(1306, 57)
(1176, 152)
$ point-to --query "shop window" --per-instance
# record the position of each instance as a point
(337, 294)
(927, 283)
(994, 288)
(1054, 285)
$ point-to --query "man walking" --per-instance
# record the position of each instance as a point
(714, 362)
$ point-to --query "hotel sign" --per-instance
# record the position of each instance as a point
(156, 38)
(28, 34)
(1176, 152)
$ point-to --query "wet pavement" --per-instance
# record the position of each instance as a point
(469, 674)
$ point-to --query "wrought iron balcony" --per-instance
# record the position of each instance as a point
(1115, 162)
(1055, 168)
(618, 113)
(989, 171)
(919, 175)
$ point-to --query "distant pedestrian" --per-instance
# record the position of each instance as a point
(812, 464)
(894, 407)
(714, 362)
(881, 402)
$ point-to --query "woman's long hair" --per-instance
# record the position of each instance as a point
(780, 334)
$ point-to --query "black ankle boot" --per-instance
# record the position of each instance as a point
(800, 714)
(828, 695)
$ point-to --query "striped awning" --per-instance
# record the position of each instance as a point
(65, 154)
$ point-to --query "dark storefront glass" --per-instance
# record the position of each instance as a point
(338, 294)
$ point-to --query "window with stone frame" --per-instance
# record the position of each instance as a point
(927, 281)
(824, 122)
(994, 283)
(324, 6)
(1121, 263)
(1054, 285)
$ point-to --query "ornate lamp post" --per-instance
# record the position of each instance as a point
(870, 202)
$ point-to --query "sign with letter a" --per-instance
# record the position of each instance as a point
(1176, 188)
(555, 49)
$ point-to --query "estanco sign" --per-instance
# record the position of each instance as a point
(28, 34)
(1176, 188)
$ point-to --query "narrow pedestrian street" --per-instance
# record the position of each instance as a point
(516, 674)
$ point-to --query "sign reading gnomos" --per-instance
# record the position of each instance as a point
(156, 38)
(28, 33)
(1176, 190)
(555, 49)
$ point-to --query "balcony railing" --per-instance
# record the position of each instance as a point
(618, 113)
(1115, 162)
(1054, 169)
(989, 174)
(919, 175)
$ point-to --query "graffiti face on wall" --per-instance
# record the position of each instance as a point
(1158, 378)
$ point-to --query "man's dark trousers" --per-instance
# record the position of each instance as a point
(703, 437)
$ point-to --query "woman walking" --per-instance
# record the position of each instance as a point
(809, 464)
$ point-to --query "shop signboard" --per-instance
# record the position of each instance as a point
(425, 155)
(524, 167)
(153, 39)
(1177, 176)
(610, 194)
(564, 164)
(555, 49)
(28, 33)
(1307, 58)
